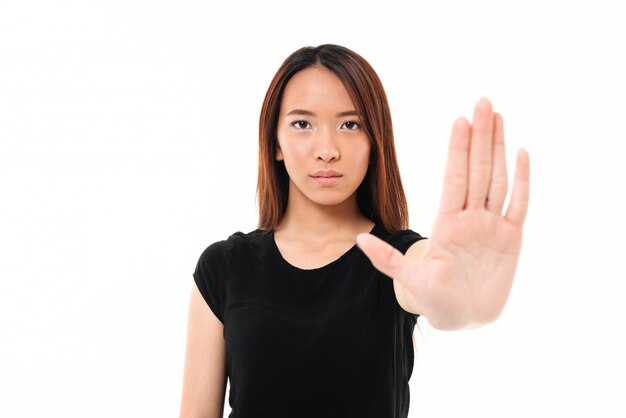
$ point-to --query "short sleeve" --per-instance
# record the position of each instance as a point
(402, 240)
(209, 277)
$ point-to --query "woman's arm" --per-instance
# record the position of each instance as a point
(204, 381)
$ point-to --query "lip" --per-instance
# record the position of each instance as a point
(327, 181)
(326, 173)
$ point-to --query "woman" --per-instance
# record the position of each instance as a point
(305, 322)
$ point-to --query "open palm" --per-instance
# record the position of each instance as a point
(464, 272)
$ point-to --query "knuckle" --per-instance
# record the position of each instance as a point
(456, 180)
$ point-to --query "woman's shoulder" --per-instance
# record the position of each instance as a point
(401, 239)
(388, 236)
(255, 234)
(221, 249)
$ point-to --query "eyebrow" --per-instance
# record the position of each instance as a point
(309, 113)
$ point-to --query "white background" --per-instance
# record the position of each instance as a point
(128, 143)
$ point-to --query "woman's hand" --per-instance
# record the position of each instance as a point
(462, 275)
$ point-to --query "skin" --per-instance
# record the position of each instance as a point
(204, 379)
(462, 276)
(318, 129)
(458, 278)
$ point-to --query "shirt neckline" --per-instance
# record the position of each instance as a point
(336, 261)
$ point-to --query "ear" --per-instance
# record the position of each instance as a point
(279, 154)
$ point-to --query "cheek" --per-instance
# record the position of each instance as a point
(293, 153)
(294, 147)
(362, 153)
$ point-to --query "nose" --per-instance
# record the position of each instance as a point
(325, 146)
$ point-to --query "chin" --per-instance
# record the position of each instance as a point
(324, 196)
(329, 198)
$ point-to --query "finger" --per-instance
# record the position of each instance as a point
(499, 182)
(385, 258)
(518, 207)
(455, 180)
(480, 154)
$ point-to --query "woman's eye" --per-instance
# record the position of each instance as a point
(351, 125)
(301, 124)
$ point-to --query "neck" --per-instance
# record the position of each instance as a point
(306, 218)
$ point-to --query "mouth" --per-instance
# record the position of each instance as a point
(326, 173)
(326, 180)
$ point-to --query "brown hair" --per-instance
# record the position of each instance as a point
(380, 196)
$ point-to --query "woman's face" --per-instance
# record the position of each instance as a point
(321, 138)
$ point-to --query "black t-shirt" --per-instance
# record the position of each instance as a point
(326, 342)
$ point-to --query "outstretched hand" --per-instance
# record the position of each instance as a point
(462, 275)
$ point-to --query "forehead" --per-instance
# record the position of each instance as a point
(316, 87)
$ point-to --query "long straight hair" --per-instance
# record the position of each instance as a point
(380, 196)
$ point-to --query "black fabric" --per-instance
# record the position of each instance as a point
(326, 342)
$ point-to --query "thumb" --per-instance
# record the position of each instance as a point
(383, 256)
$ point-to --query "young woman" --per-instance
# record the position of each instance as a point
(311, 314)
